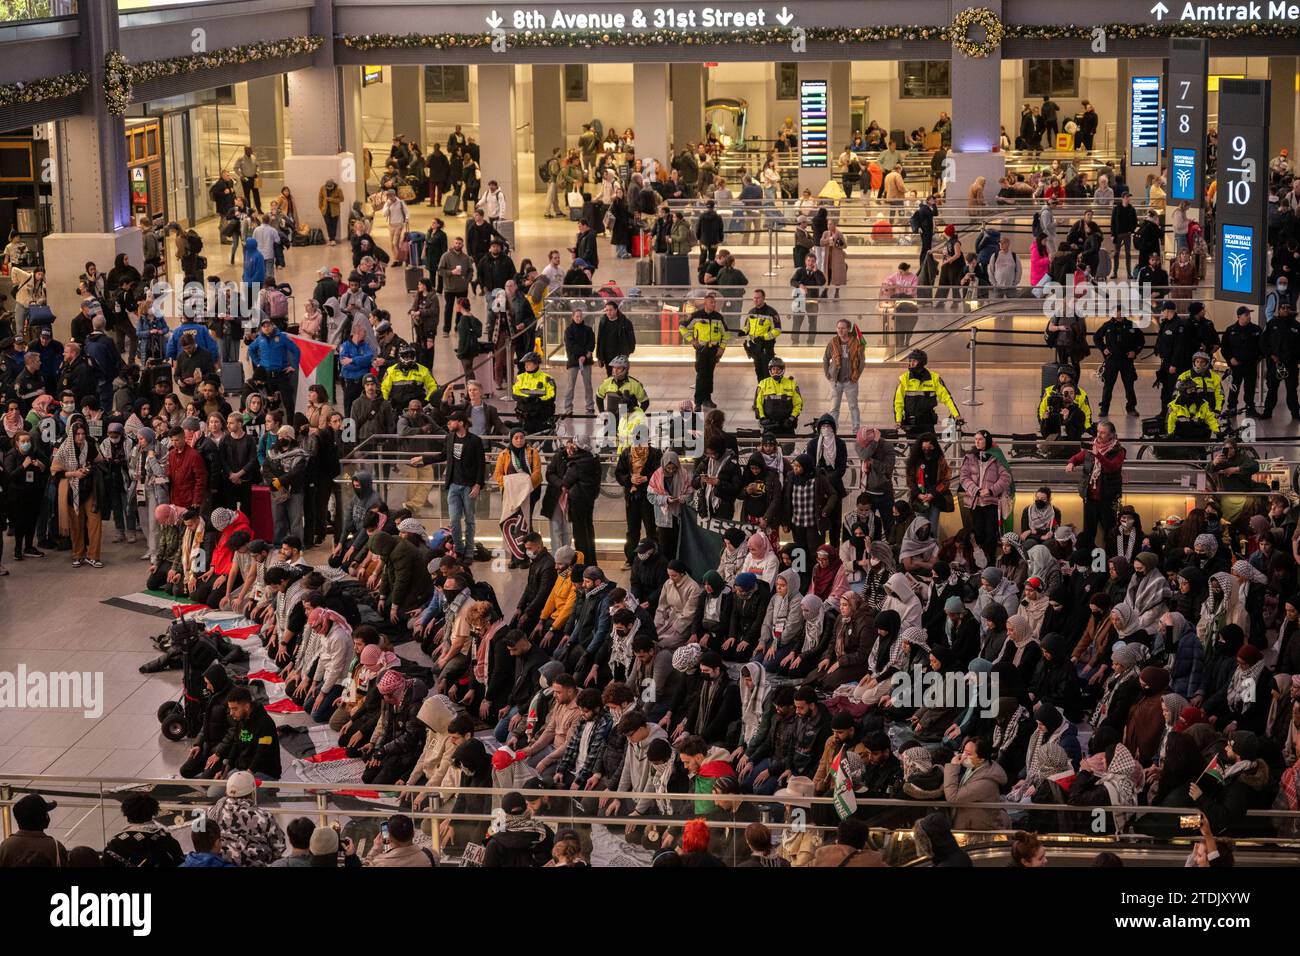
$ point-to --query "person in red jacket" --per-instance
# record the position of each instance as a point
(186, 468)
(236, 533)
(1101, 482)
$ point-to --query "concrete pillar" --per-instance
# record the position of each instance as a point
(408, 103)
(650, 112)
(815, 179)
(353, 137)
(548, 116)
(1282, 105)
(315, 118)
(841, 127)
(976, 115)
(496, 99)
(688, 88)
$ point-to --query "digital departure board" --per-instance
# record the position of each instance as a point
(814, 123)
(1144, 121)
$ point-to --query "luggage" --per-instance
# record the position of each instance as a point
(506, 228)
(640, 244)
(261, 519)
(416, 240)
(645, 272)
(232, 377)
(316, 237)
(413, 276)
(672, 269)
(451, 205)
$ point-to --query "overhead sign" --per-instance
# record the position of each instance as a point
(1144, 120)
(640, 18)
(1254, 12)
(1188, 75)
(1242, 195)
(814, 102)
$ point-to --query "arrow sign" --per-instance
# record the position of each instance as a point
(784, 17)
(494, 21)
(1159, 10)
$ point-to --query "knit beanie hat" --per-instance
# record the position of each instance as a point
(324, 841)
(953, 605)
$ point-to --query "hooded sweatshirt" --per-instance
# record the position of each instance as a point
(431, 767)
(637, 775)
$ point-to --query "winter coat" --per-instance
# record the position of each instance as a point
(984, 785)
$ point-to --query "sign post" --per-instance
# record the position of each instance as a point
(1188, 76)
(814, 124)
(1144, 120)
(1242, 195)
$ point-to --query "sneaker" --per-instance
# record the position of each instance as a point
(76, 562)
(95, 563)
(146, 556)
(132, 537)
(119, 538)
(33, 553)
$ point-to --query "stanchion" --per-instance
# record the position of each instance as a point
(771, 254)
(973, 401)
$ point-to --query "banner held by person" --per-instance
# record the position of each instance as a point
(700, 544)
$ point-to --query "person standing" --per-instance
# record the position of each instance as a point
(551, 176)
(1281, 341)
(842, 364)
(761, 327)
(330, 202)
(1119, 342)
(464, 474)
(246, 168)
(1101, 482)
(579, 346)
(1240, 345)
(1123, 223)
(707, 331)
(1049, 112)
(82, 494)
(275, 357)
(454, 271)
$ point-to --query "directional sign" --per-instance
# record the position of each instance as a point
(814, 117)
(1253, 11)
(1188, 71)
(1242, 195)
(1144, 121)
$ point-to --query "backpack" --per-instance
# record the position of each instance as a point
(544, 172)
(1049, 336)
(914, 222)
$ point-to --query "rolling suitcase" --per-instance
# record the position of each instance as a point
(413, 276)
(645, 272)
(506, 229)
(451, 205)
(232, 377)
(672, 269)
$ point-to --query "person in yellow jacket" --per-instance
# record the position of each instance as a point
(707, 331)
(620, 390)
(1045, 404)
(919, 394)
(1207, 381)
(1189, 409)
(407, 380)
(534, 392)
(628, 425)
(559, 603)
(777, 402)
(761, 326)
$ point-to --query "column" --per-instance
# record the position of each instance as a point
(496, 99)
(650, 101)
(1282, 106)
(815, 179)
(266, 126)
(976, 113)
(548, 116)
(408, 103)
(91, 189)
(314, 121)
(841, 118)
(688, 89)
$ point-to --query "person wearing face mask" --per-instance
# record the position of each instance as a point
(26, 471)
(285, 471)
(1148, 591)
(275, 357)
(1128, 540)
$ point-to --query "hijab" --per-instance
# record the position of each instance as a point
(918, 541)
(752, 700)
(1042, 564)
(674, 486)
(902, 600)
(823, 579)
(814, 622)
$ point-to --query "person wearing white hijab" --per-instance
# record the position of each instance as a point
(900, 598)
(1044, 567)
(783, 623)
(919, 548)
(754, 689)
(1148, 591)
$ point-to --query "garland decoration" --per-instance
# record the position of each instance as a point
(976, 18)
(228, 56)
(42, 89)
(117, 83)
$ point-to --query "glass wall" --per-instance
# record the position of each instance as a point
(13, 11)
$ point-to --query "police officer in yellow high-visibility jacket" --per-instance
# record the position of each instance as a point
(534, 392)
(407, 380)
(761, 326)
(707, 331)
(1046, 409)
(1191, 413)
(777, 402)
(628, 426)
(918, 396)
(1207, 381)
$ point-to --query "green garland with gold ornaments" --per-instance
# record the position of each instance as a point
(958, 33)
(980, 18)
(40, 90)
(120, 76)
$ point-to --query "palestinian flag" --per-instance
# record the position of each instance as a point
(315, 367)
(843, 798)
(1214, 770)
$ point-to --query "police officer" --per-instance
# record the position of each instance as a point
(1064, 402)
(534, 392)
(777, 402)
(1191, 334)
(1191, 413)
(1207, 381)
(1241, 349)
(707, 331)
(1165, 374)
(918, 396)
(1119, 341)
(761, 327)
(407, 380)
(1281, 341)
(620, 390)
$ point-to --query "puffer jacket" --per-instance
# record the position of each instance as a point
(406, 583)
(249, 835)
(984, 785)
(995, 478)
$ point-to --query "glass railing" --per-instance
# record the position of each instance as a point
(22, 11)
